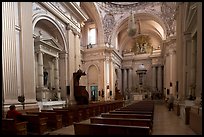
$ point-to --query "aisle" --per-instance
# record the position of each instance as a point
(167, 123)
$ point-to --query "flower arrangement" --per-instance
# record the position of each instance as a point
(22, 100)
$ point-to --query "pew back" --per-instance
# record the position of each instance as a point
(11, 127)
(118, 115)
(122, 121)
(107, 129)
(36, 124)
(54, 119)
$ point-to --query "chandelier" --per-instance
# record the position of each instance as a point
(131, 25)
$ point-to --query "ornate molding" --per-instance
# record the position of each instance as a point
(168, 10)
(120, 11)
(108, 24)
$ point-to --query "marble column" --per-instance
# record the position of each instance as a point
(153, 78)
(40, 70)
(159, 78)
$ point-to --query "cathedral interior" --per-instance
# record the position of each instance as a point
(59, 54)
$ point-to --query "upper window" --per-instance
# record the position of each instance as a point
(92, 36)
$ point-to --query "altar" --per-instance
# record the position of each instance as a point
(49, 105)
(137, 97)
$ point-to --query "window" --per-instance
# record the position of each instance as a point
(92, 36)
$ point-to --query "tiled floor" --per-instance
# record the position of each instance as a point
(168, 123)
(165, 123)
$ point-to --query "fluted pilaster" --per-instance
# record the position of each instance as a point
(9, 62)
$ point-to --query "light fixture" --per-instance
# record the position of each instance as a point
(131, 25)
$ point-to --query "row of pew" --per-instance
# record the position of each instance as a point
(39, 123)
(134, 119)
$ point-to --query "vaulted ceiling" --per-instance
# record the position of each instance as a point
(156, 19)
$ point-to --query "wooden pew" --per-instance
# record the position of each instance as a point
(131, 112)
(54, 120)
(36, 124)
(139, 106)
(107, 129)
(74, 113)
(67, 116)
(11, 127)
(122, 121)
(118, 115)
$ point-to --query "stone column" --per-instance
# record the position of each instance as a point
(130, 78)
(71, 61)
(75, 51)
(159, 76)
(40, 70)
(186, 64)
(111, 78)
(9, 63)
(63, 72)
(153, 78)
(120, 80)
(56, 73)
(171, 54)
(193, 67)
(124, 81)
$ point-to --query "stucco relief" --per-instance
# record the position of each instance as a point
(121, 11)
(108, 23)
(168, 10)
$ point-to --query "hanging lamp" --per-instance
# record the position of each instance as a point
(131, 25)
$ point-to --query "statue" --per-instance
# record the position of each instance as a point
(45, 73)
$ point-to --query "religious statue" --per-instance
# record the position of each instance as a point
(45, 73)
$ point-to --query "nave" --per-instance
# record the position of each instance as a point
(165, 123)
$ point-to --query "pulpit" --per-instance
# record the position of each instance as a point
(80, 93)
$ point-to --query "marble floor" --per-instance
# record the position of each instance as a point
(165, 123)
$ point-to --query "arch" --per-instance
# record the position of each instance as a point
(93, 12)
(98, 69)
(148, 18)
(40, 16)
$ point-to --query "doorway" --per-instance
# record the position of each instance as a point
(94, 93)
